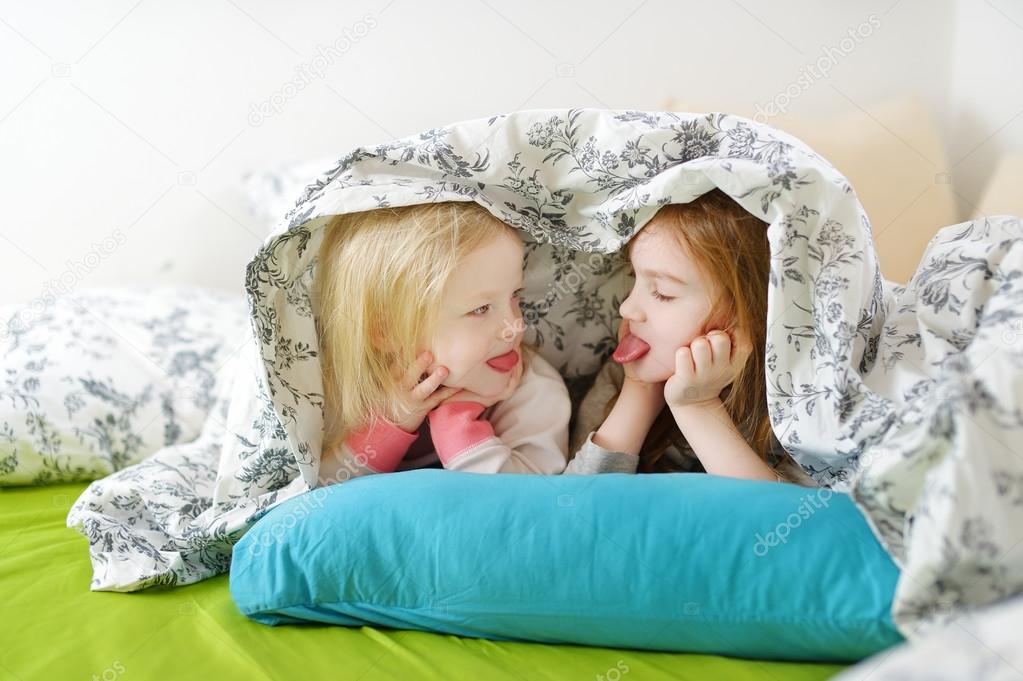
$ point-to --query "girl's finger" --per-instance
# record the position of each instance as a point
(684, 362)
(441, 395)
(419, 367)
(720, 346)
(700, 349)
(426, 388)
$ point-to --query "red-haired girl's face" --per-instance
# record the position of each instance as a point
(669, 304)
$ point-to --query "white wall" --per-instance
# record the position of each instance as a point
(133, 122)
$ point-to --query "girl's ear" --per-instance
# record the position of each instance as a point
(717, 323)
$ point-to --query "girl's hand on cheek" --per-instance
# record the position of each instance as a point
(423, 391)
(469, 396)
(706, 367)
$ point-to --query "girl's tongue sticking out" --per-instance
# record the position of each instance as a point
(630, 349)
(505, 362)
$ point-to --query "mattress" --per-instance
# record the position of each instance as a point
(54, 627)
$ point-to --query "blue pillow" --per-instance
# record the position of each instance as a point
(678, 562)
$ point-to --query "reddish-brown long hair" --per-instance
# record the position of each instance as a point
(730, 248)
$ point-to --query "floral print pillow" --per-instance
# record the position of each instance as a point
(97, 381)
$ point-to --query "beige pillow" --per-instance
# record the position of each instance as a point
(1002, 195)
(893, 155)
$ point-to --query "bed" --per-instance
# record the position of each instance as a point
(256, 447)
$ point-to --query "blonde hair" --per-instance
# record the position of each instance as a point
(730, 247)
(380, 278)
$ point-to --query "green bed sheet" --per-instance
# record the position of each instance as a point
(54, 627)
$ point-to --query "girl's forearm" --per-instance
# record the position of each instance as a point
(718, 444)
(626, 427)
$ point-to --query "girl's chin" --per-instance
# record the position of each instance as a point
(648, 370)
(487, 388)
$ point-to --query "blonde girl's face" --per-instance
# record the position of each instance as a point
(479, 326)
(669, 304)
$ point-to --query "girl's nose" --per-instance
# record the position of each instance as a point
(512, 325)
(630, 310)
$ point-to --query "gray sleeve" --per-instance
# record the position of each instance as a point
(606, 386)
(592, 459)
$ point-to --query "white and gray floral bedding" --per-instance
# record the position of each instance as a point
(976, 645)
(98, 380)
(907, 396)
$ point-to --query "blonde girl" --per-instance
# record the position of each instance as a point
(420, 333)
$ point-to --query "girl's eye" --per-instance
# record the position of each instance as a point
(658, 296)
(483, 309)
